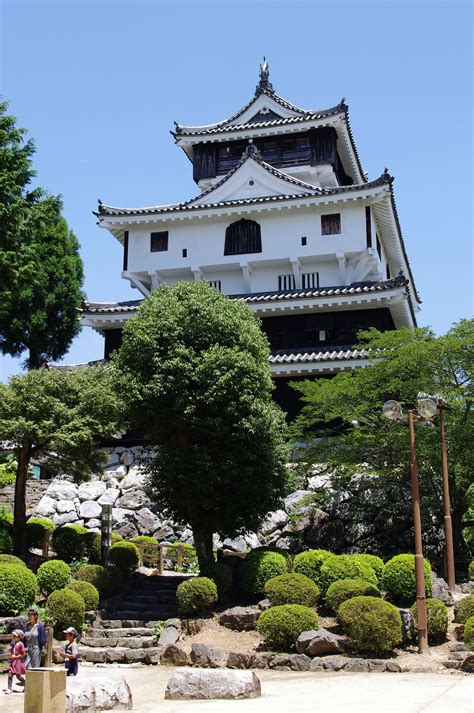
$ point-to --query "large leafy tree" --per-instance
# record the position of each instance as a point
(41, 271)
(404, 362)
(193, 368)
(58, 417)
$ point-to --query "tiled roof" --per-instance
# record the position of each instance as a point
(277, 296)
(341, 354)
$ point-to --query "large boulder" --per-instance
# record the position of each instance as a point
(127, 458)
(175, 655)
(111, 692)
(118, 472)
(293, 501)
(62, 490)
(274, 521)
(319, 643)
(146, 521)
(91, 490)
(133, 500)
(206, 684)
(109, 497)
(237, 544)
(207, 656)
(66, 518)
(441, 590)
(240, 618)
(46, 506)
(90, 508)
(134, 479)
(63, 506)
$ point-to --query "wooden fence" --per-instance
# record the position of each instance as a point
(181, 558)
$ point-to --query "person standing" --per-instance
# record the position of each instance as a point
(35, 640)
(17, 661)
(70, 652)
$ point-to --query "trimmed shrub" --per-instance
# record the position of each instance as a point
(124, 555)
(6, 518)
(437, 620)
(68, 542)
(222, 576)
(198, 594)
(280, 551)
(17, 589)
(52, 575)
(35, 529)
(345, 567)
(292, 588)
(375, 562)
(470, 572)
(92, 543)
(310, 562)
(115, 537)
(281, 625)
(65, 608)
(97, 575)
(88, 592)
(464, 609)
(398, 579)
(345, 589)
(11, 559)
(257, 568)
(469, 633)
(372, 625)
(6, 542)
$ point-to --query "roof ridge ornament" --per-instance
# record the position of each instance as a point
(264, 83)
(251, 150)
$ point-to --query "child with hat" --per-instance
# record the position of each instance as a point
(17, 660)
(70, 651)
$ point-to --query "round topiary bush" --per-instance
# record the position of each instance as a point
(257, 568)
(292, 588)
(345, 589)
(115, 537)
(68, 542)
(6, 542)
(35, 530)
(198, 594)
(345, 567)
(97, 575)
(437, 620)
(65, 608)
(469, 633)
(310, 562)
(372, 625)
(124, 555)
(88, 592)
(464, 609)
(11, 559)
(375, 562)
(222, 576)
(470, 572)
(281, 625)
(92, 543)
(398, 579)
(53, 575)
(17, 589)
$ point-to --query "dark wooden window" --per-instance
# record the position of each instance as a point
(304, 241)
(368, 227)
(310, 280)
(125, 251)
(286, 282)
(159, 241)
(331, 224)
(243, 236)
(216, 284)
(185, 252)
(388, 272)
(379, 247)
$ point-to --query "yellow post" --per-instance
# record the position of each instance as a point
(45, 690)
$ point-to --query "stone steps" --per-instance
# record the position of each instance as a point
(119, 654)
(130, 642)
(146, 598)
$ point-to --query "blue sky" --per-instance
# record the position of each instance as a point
(98, 85)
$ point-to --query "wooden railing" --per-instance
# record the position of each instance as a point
(161, 556)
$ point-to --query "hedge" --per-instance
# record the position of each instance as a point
(68, 542)
(437, 620)
(124, 555)
(281, 625)
(292, 588)
(17, 589)
(97, 575)
(399, 581)
(65, 608)
(345, 567)
(345, 589)
(375, 562)
(310, 562)
(469, 633)
(11, 559)
(35, 530)
(52, 575)
(88, 592)
(372, 625)
(464, 609)
(196, 595)
(257, 568)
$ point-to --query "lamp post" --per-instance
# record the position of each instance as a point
(393, 411)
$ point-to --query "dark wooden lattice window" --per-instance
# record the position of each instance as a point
(216, 284)
(159, 241)
(243, 236)
(388, 272)
(309, 280)
(331, 224)
(286, 282)
(379, 247)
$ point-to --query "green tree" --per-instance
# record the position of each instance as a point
(194, 371)
(41, 271)
(404, 362)
(58, 417)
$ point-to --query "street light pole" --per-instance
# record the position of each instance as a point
(419, 561)
(448, 525)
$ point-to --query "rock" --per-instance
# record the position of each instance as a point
(135, 479)
(46, 506)
(285, 543)
(153, 655)
(113, 459)
(280, 662)
(264, 604)
(441, 590)
(109, 497)
(393, 667)
(135, 655)
(236, 545)
(262, 659)
(316, 664)
(299, 662)
(406, 625)
(119, 472)
(90, 508)
(357, 665)
(468, 664)
(116, 654)
(458, 646)
(169, 635)
(165, 532)
(146, 521)
(187, 536)
(274, 521)
(240, 659)
(377, 665)
(240, 618)
(208, 684)
(251, 540)
(67, 517)
(319, 643)
(91, 490)
(302, 519)
(111, 692)
(133, 500)
(64, 506)
(93, 524)
(175, 655)
(62, 490)
(292, 501)
(318, 482)
(12, 622)
(334, 663)
(207, 656)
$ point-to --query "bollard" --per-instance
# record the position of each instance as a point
(45, 690)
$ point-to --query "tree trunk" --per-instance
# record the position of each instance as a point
(19, 513)
(203, 545)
